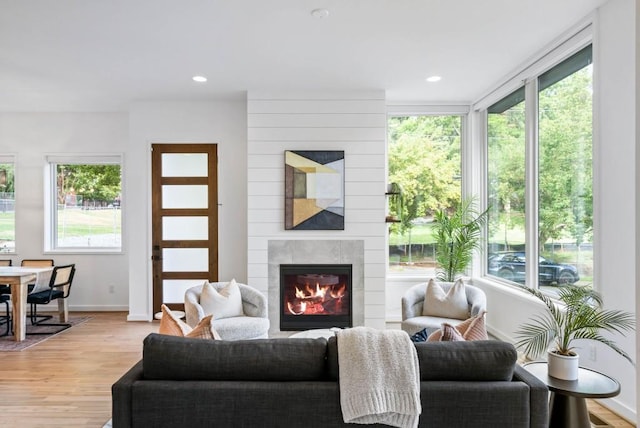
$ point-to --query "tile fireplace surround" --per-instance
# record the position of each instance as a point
(315, 252)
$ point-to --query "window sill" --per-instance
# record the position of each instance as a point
(97, 251)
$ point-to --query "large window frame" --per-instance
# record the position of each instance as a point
(8, 204)
(51, 220)
(461, 111)
(528, 80)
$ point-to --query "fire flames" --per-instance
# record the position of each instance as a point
(318, 300)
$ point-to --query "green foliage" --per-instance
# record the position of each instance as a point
(424, 160)
(92, 182)
(9, 182)
(565, 178)
(506, 171)
(457, 236)
(581, 317)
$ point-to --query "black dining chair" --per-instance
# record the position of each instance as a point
(5, 289)
(59, 288)
(4, 298)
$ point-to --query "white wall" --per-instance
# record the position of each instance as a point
(614, 201)
(353, 122)
(31, 136)
(637, 183)
(222, 123)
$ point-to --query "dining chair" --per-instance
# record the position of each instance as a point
(59, 288)
(36, 263)
(4, 298)
(5, 289)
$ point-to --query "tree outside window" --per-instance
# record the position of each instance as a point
(88, 212)
(424, 165)
(7, 206)
(563, 150)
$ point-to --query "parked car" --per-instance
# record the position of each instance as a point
(511, 266)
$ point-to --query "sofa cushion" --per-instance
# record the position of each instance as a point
(470, 329)
(450, 334)
(478, 360)
(171, 324)
(178, 358)
(483, 360)
(204, 330)
(223, 303)
(239, 328)
(452, 304)
(332, 358)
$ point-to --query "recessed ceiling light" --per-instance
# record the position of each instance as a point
(432, 79)
(319, 13)
(199, 79)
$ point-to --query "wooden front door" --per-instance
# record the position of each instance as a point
(185, 220)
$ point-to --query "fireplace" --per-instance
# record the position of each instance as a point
(315, 296)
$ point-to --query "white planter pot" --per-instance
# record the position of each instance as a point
(562, 366)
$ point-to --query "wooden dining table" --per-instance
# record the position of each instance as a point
(18, 279)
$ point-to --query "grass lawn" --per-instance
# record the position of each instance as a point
(72, 222)
(77, 222)
(7, 226)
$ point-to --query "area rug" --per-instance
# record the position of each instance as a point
(7, 343)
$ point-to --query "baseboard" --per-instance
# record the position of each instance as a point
(53, 307)
(138, 317)
(619, 409)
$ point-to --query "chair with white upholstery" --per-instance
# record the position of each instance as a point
(414, 319)
(251, 323)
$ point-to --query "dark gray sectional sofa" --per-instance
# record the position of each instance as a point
(183, 382)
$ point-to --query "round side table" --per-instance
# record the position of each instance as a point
(315, 333)
(179, 314)
(567, 403)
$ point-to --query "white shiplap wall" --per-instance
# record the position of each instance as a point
(353, 122)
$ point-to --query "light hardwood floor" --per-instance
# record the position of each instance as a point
(66, 380)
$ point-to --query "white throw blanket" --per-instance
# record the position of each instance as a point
(379, 377)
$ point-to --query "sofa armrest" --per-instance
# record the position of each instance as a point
(192, 309)
(412, 301)
(477, 300)
(121, 396)
(254, 304)
(539, 396)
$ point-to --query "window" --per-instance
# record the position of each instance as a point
(506, 184)
(85, 203)
(561, 228)
(424, 176)
(7, 205)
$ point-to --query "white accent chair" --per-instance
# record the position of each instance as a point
(413, 300)
(254, 324)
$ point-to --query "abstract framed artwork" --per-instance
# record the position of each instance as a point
(314, 190)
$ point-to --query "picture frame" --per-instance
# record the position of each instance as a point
(314, 190)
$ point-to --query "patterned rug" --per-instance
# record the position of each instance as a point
(8, 344)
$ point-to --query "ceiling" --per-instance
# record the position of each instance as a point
(97, 55)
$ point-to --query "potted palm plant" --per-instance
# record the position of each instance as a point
(578, 316)
(457, 237)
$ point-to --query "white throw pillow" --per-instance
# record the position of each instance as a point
(223, 303)
(453, 304)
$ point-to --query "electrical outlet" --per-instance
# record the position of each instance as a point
(592, 352)
(112, 289)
